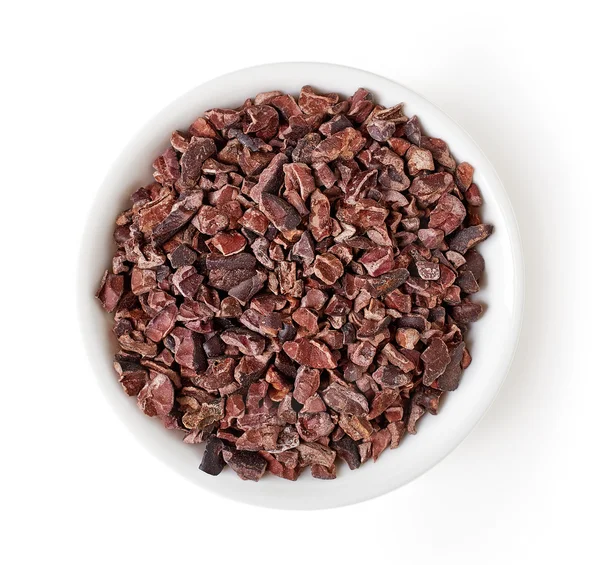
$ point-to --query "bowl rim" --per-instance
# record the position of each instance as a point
(82, 296)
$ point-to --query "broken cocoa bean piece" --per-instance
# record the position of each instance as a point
(363, 214)
(207, 414)
(373, 328)
(312, 426)
(247, 288)
(382, 401)
(399, 145)
(162, 324)
(310, 102)
(287, 442)
(428, 270)
(306, 384)
(338, 306)
(378, 261)
(336, 124)
(416, 412)
(314, 404)
(306, 320)
(397, 432)
(142, 280)
(380, 441)
(286, 275)
(312, 453)
(381, 130)
(344, 144)
(419, 159)
(264, 121)
(270, 179)
(347, 449)
(228, 243)
(132, 375)
(210, 220)
(285, 410)
(251, 368)
(248, 342)
(466, 238)
(248, 465)
(198, 150)
(473, 262)
(225, 278)
(344, 400)
(466, 312)
(187, 281)
(450, 379)
(110, 291)
(473, 196)
(384, 284)
(440, 151)
(464, 176)
(415, 321)
(182, 212)
(265, 324)
(430, 188)
(319, 221)
(212, 459)
(448, 215)
(435, 359)
(412, 131)
(299, 178)
(322, 472)
(304, 249)
(357, 427)
(311, 353)
(213, 346)
(467, 282)
(263, 438)
(143, 348)
(362, 353)
(407, 337)
(361, 105)
(396, 358)
(328, 268)
(188, 349)
(157, 396)
(218, 376)
(281, 214)
(182, 256)
(254, 220)
(431, 238)
(391, 377)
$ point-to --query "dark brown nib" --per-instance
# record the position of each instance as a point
(295, 287)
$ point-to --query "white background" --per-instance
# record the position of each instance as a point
(80, 78)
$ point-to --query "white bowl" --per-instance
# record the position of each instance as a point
(492, 339)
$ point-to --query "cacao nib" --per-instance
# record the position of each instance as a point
(435, 359)
(248, 465)
(111, 290)
(344, 400)
(311, 353)
(347, 449)
(212, 460)
(157, 396)
(180, 215)
(466, 238)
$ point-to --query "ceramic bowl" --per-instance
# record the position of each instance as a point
(492, 340)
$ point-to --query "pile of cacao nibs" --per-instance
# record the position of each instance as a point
(296, 284)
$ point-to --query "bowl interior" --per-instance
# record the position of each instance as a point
(492, 340)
